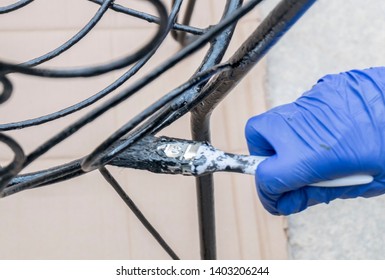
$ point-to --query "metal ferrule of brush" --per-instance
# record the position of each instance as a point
(185, 152)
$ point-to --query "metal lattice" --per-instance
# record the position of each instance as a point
(211, 82)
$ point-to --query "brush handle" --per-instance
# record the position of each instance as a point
(249, 164)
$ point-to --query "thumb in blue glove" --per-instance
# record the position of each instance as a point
(334, 130)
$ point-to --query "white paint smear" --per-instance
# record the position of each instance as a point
(217, 160)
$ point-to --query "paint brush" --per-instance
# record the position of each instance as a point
(168, 156)
(186, 157)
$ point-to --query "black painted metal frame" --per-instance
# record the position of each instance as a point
(212, 81)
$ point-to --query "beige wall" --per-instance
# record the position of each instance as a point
(84, 218)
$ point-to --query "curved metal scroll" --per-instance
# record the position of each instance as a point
(210, 83)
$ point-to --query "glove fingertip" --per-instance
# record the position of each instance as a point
(256, 141)
(298, 200)
(268, 187)
(292, 202)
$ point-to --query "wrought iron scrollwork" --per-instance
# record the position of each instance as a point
(210, 83)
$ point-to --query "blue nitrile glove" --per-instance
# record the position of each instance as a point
(334, 130)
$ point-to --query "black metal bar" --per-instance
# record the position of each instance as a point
(13, 168)
(206, 213)
(150, 18)
(205, 190)
(205, 184)
(15, 6)
(181, 37)
(249, 53)
(105, 153)
(166, 110)
(130, 203)
(91, 100)
(214, 55)
(74, 168)
(282, 17)
(200, 118)
(196, 45)
(98, 69)
(279, 21)
(74, 40)
(6, 93)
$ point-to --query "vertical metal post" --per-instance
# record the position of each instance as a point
(200, 131)
(181, 36)
(205, 199)
(284, 15)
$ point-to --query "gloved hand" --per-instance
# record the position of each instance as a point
(334, 130)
